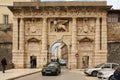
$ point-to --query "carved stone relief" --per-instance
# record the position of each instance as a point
(59, 25)
(33, 27)
(86, 26)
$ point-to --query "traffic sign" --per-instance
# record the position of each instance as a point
(76, 55)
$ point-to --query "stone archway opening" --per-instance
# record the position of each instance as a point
(59, 51)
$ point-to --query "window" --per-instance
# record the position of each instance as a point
(114, 65)
(112, 18)
(5, 19)
(107, 66)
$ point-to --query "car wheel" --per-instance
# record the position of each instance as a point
(60, 71)
(57, 72)
(94, 73)
(111, 77)
(43, 74)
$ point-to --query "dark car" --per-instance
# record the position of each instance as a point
(116, 75)
(51, 68)
(62, 62)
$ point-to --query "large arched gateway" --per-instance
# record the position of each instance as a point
(80, 25)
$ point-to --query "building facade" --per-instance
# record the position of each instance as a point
(113, 36)
(82, 26)
(5, 33)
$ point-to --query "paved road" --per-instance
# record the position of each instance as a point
(65, 75)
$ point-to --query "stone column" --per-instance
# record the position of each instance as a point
(15, 34)
(97, 35)
(104, 34)
(74, 44)
(21, 44)
(104, 40)
(44, 41)
(15, 41)
(96, 56)
(22, 35)
(69, 56)
(100, 41)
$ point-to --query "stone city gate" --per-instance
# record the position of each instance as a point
(80, 25)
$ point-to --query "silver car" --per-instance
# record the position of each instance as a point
(105, 74)
(94, 71)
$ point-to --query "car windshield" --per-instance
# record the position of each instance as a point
(51, 65)
(99, 65)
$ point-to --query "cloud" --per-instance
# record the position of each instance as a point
(115, 3)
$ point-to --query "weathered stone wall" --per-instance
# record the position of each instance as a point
(114, 52)
(6, 50)
(6, 44)
(113, 31)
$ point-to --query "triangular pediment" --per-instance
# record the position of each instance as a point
(33, 40)
(86, 39)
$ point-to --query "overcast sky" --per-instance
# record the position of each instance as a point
(115, 3)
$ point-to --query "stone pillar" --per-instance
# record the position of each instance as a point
(97, 35)
(74, 44)
(104, 34)
(15, 34)
(44, 42)
(15, 41)
(21, 43)
(104, 40)
(18, 43)
(69, 56)
(100, 41)
(97, 43)
(22, 35)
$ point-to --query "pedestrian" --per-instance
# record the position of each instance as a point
(31, 62)
(4, 63)
(34, 63)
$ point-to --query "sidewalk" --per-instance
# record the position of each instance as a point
(16, 73)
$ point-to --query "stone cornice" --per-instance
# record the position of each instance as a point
(59, 11)
(70, 3)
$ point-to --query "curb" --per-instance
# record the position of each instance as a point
(23, 75)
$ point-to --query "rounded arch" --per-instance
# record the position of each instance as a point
(59, 50)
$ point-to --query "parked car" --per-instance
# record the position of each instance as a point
(62, 62)
(116, 75)
(51, 68)
(106, 74)
(94, 71)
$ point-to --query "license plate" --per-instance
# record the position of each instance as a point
(48, 72)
